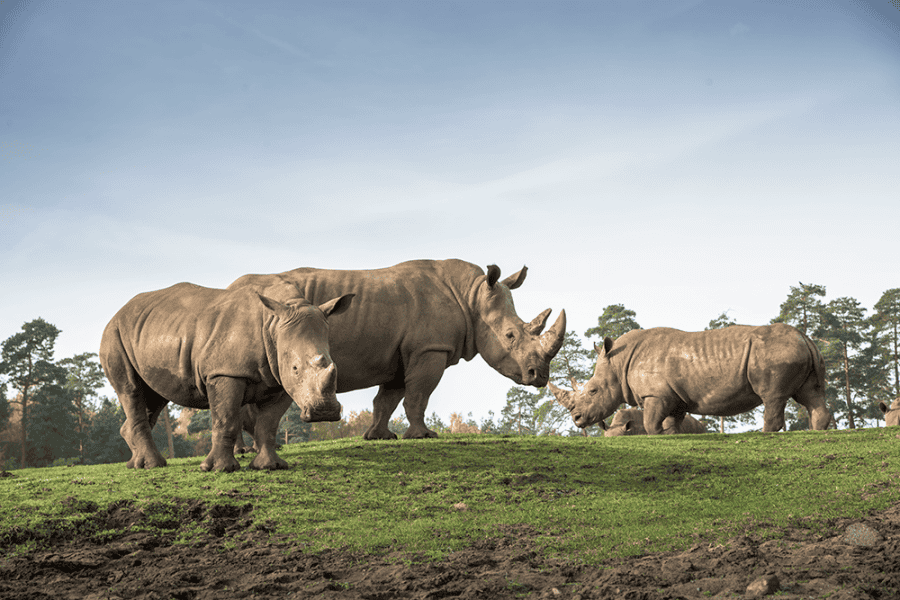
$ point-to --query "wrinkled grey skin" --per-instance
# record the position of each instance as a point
(206, 348)
(630, 421)
(891, 414)
(412, 321)
(721, 372)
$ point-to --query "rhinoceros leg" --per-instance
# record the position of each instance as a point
(422, 376)
(384, 405)
(656, 410)
(142, 408)
(773, 413)
(225, 396)
(811, 397)
(268, 416)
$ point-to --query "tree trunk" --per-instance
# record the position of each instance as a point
(24, 435)
(721, 424)
(847, 380)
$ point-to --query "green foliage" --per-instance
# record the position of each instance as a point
(802, 309)
(615, 321)
(292, 428)
(721, 321)
(26, 362)
(584, 498)
(52, 428)
(885, 323)
(84, 377)
(104, 442)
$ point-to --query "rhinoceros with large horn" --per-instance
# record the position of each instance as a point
(220, 349)
(891, 413)
(417, 318)
(721, 372)
(630, 421)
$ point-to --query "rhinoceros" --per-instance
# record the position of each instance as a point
(220, 349)
(630, 421)
(720, 372)
(891, 413)
(417, 318)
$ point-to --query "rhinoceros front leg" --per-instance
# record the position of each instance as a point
(268, 416)
(384, 405)
(422, 376)
(773, 413)
(225, 396)
(656, 410)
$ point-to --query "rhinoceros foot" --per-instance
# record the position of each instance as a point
(379, 433)
(417, 433)
(146, 460)
(269, 462)
(220, 462)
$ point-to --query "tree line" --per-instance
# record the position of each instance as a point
(51, 412)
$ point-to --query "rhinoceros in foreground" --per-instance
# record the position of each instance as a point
(720, 372)
(417, 318)
(630, 421)
(220, 349)
(891, 414)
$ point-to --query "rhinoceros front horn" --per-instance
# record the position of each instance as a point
(552, 340)
(537, 324)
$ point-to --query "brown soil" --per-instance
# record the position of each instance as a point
(234, 558)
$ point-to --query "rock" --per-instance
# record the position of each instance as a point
(763, 586)
(862, 535)
(461, 506)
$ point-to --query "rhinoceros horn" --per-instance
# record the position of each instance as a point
(537, 325)
(552, 340)
(564, 397)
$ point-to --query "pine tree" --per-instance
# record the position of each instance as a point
(885, 322)
(26, 360)
(615, 321)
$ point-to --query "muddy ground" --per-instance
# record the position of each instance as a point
(232, 557)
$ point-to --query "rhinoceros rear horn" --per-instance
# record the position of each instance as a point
(552, 340)
(537, 324)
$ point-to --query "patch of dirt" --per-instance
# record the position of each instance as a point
(229, 556)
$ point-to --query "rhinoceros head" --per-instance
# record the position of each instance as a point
(599, 397)
(891, 414)
(306, 371)
(513, 347)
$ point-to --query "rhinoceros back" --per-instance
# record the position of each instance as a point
(415, 306)
(173, 339)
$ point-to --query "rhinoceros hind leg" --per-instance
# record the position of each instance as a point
(422, 376)
(142, 409)
(384, 405)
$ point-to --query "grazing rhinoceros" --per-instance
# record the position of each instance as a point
(220, 349)
(417, 318)
(630, 421)
(891, 414)
(720, 372)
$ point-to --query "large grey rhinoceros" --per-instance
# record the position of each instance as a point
(630, 421)
(891, 413)
(720, 372)
(220, 349)
(415, 319)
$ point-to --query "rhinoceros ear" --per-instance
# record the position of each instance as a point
(628, 425)
(516, 279)
(274, 305)
(493, 274)
(603, 351)
(883, 407)
(337, 305)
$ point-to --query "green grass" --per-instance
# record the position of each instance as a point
(594, 498)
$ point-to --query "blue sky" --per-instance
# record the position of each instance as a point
(680, 158)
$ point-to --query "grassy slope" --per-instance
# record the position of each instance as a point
(592, 497)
